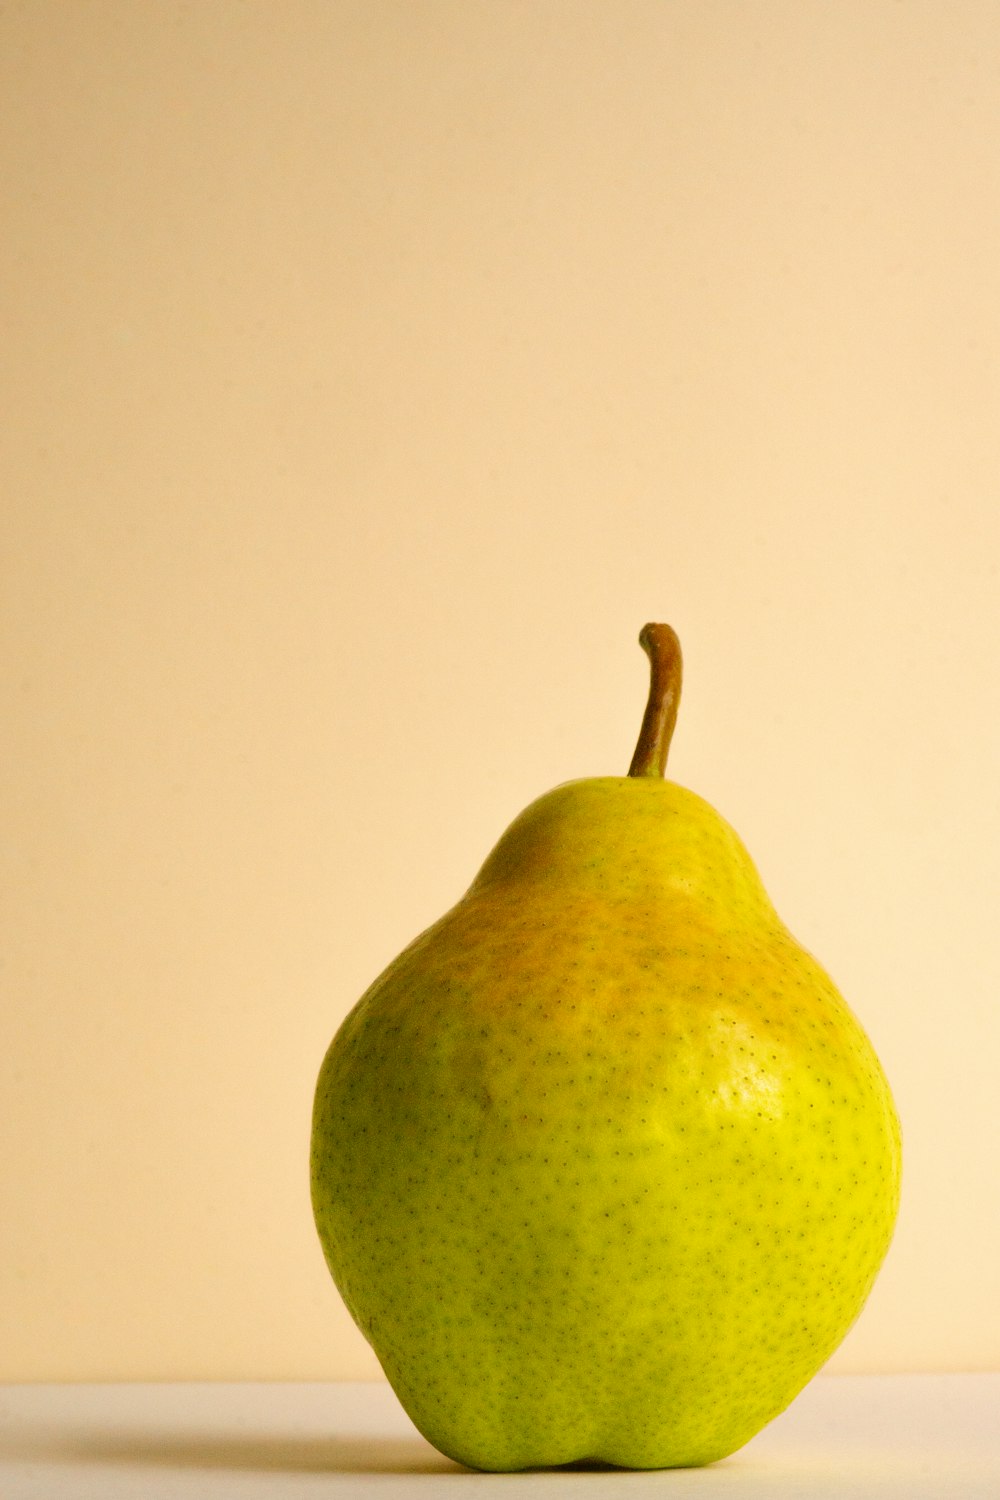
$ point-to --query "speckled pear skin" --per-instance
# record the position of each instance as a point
(603, 1165)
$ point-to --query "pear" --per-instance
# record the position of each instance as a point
(602, 1164)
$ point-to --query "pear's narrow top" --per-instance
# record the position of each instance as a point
(661, 645)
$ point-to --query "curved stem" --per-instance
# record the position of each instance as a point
(664, 651)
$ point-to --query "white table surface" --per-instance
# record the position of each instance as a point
(915, 1437)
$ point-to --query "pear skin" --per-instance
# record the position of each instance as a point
(603, 1165)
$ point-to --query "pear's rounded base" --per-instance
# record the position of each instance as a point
(588, 1465)
(535, 1458)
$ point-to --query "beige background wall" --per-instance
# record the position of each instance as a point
(372, 371)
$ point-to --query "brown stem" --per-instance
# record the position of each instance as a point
(664, 651)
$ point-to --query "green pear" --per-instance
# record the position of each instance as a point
(603, 1166)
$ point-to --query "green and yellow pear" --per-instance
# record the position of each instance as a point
(603, 1165)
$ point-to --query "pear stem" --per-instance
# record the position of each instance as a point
(661, 645)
